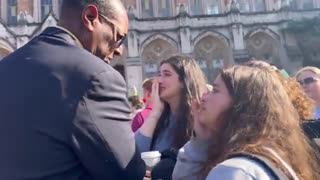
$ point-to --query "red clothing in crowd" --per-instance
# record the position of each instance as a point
(140, 117)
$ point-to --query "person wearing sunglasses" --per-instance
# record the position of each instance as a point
(309, 78)
(64, 110)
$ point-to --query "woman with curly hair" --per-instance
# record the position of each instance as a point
(302, 103)
(248, 112)
(300, 100)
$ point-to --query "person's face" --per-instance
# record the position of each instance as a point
(214, 105)
(146, 95)
(170, 86)
(310, 82)
(106, 35)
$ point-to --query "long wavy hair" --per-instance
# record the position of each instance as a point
(262, 115)
(300, 100)
(193, 85)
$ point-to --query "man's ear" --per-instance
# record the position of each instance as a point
(90, 16)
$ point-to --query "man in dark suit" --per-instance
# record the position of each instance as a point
(63, 110)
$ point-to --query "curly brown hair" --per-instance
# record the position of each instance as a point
(300, 100)
(262, 115)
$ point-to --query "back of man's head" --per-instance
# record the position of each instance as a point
(110, 8)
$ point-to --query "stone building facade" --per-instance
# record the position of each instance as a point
(217, 33)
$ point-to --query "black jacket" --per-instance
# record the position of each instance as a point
(64, 114)
(312, 131)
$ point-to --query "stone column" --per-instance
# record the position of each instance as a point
(133, 63)
(184, 31)
(239, 50)
(268, 5)
(37, 10)
(237, 34)
(283, 55)
(134, 74)
(56, 8)
(316, 3)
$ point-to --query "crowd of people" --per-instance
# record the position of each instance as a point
(66, 115)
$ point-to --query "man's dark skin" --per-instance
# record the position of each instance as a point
(64, 111)
(95, 36)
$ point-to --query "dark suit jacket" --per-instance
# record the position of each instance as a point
(64, 115)
(311, 129)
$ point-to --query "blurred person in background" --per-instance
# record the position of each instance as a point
(136, 103)
(303, 104)
(141, 116)
(309, 79)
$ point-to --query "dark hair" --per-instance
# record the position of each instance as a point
(262, 115)
(106, 7)
(194, 84)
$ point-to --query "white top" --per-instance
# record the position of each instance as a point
(193, 155)
(239, 168)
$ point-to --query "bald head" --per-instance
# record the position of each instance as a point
(113, 9)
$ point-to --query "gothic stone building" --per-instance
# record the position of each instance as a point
(217, 33)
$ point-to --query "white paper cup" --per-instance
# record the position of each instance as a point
(151, 158)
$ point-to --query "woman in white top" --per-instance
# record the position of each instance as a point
(247, 112)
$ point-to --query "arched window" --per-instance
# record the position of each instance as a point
(147, 8)
(212, 54)
(156, 8)
(196, 7)
(164, 8)
(260, 5)
(156, 51)
(262, 46)
(244, 5)
(212, 6)
(12, 11)
(46, 7)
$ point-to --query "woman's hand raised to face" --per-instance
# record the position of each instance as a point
(148, 127)
(201, 131)
(157, 103)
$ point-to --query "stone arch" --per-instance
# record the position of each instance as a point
(163, 37)
(5, 48)
(212, 53)
(217, 35)
(267, 31)
(264, 44)
(154, 51)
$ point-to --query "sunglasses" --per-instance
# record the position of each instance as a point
(120, 37)
(307, 81)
